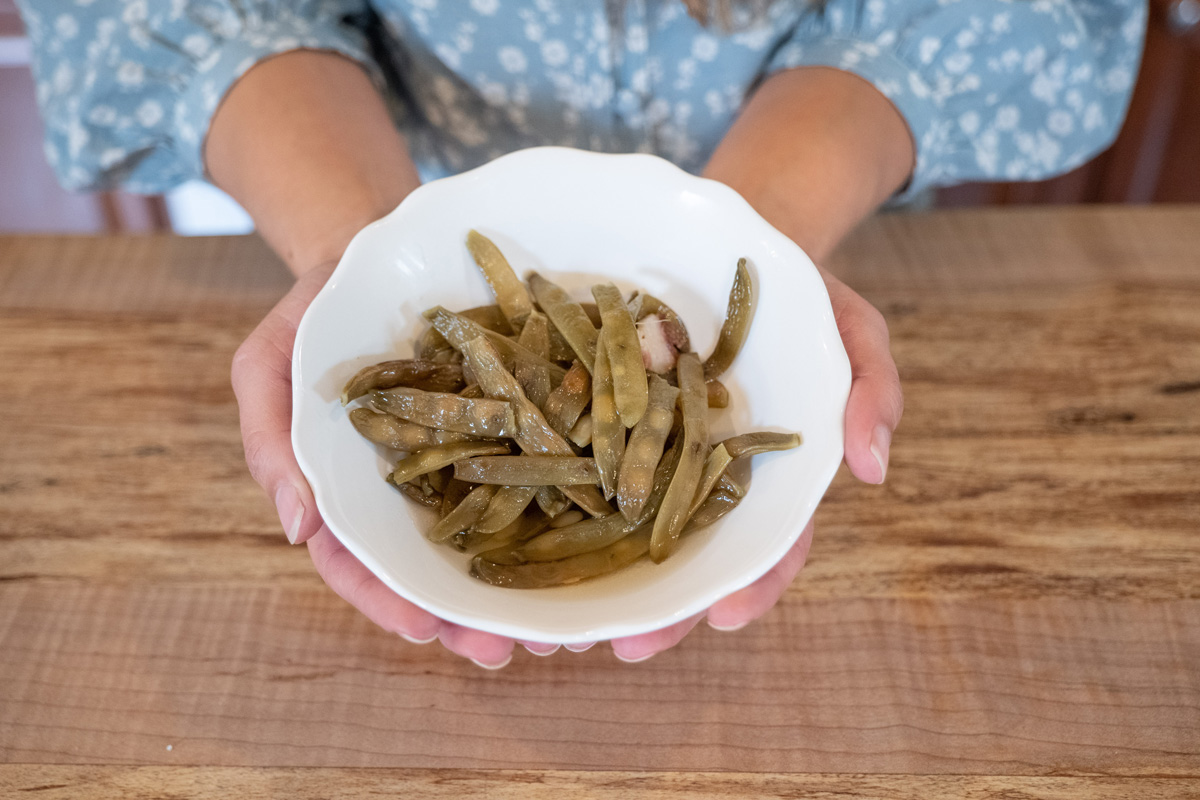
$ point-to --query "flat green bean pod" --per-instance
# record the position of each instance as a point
(673, 514)
(528, 471)
(413, 492)
(466, 514)
(511, 295)
(535, 378)
(454, 494)
(567, 571)
(568, 317)
(714, 467)
(718, 504)
(751, 444)
(582, 537)
(645, 448)
(624, 351)
(448, 412)
(534, 434)
(412, 372)
(569, 399)
(581, 433)
(437, 457)
(608, 434)
(736, 327)
(718, 395)
(560, 350)
(508, 504)
(552, 501)
(397, 434)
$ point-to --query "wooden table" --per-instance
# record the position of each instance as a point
(1016, 613)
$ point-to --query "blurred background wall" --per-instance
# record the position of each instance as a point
(1155, 159)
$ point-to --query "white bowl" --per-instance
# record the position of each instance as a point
(578, 218)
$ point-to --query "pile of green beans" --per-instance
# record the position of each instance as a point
(521, 422)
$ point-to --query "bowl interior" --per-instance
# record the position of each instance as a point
(578, 218)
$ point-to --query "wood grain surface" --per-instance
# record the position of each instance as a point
(1015, 613)
(154, 783)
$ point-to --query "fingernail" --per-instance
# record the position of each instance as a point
(291, 510)
(543, 653)
(501, 665)
(633, 660)
(415, 640)
(880, 442)
(735, 627)
(579, 648)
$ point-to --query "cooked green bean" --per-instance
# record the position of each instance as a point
(552, 501)
(673, 514)
(569, 399)
(624, 354)
(459, 330)
(432, 499)
(634, 304)
(645, 448)
(571, 540)
(528, 471)
(718, 395)
(412, 372)
(439, 478)
(520, 530)
(751, 444)
(736, 326)
(535, 378)
(448, 412)
(608, 434)
(568, 317)
(714, 467)
(397, 434)
(560, 350)
(718, 504)
(444, 455)
(511, 295)
(455, 492)
(534, 435)
(581, 433)
(567, 518)
(568, 570)
(507, 506)
(466, 514)
(593, 313)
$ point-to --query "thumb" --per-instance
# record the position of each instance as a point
(262, 382)
(876, 401)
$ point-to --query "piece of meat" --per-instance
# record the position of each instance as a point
(658, 351)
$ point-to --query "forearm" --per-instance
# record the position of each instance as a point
(304, 142)
(815, 151)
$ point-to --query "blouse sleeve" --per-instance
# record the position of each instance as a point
(127, 88)
(990, 89)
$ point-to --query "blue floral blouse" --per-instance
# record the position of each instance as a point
(991, 89)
